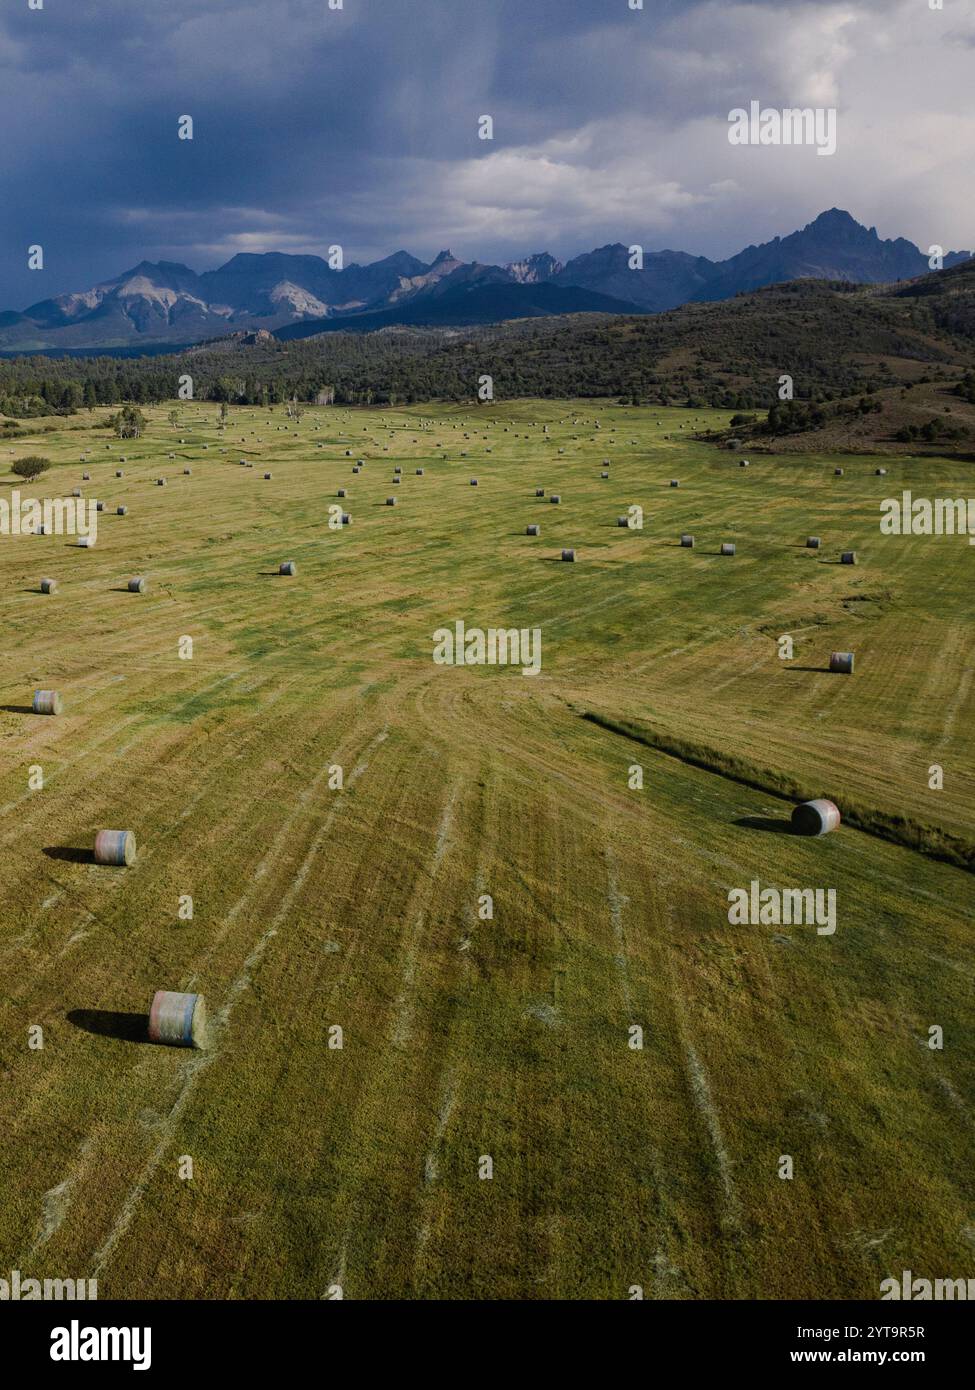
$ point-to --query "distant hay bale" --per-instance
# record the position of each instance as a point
(473, 482)
(47, 702)
(115, 847)
(675, 482)
(267, 477)
(85, 542)
(390, 501)
(812, 542)
(178, 1020)
(397, 469)
(99, 506)
(119, 473)
(848, 557)
(533, 530)
(837, 472)
(121, 511)
(187, 472)
(604, 475)
(49, 586)
(76, 492)
(539, 492)
(622, 521)
(743, 463)
(817, 817)
(86, 477)
(355, 468)
(287, 567)
(160, 482)
(556, 497)
(346, 519)
(841, 663)
(137, 585)
(687, 541)
(568, 555)
(880, 473)
(727, 547)
(419, 472)
(341, 492)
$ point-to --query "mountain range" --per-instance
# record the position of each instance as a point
(293, 296)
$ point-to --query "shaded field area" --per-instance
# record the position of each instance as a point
(453, 874)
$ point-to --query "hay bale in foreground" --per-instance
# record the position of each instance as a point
(116, 847)
(47, 702)
(49, 586)
(841, 662)
(137, 585)
(287, 567)
(178, 1020)
(817, 817)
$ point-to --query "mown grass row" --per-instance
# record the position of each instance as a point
(929, 840)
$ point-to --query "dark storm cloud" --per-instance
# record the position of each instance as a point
(359, 126)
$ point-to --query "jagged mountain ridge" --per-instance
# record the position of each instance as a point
(168, 302)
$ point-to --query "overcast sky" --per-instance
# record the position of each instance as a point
(360, 127)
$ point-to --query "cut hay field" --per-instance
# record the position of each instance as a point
(466, 1038)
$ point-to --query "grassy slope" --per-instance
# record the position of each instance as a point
(466, 1037)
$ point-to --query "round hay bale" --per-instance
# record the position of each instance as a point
(121, 511)
(397, 469)
(848, 557)
(604, 475)
(115, 847)
(817, 817)
(187, 472)
(341, 492)
(539, 492)
(473, 482)
(556, 497)
(49, 586)
(727, 547)
(687, 541)
(76, 492)
(160, 482)
(568, 555)
(623, 521)
(47, 702)
(86, 477)
(533, 530)
(137, 585)
(419, 472)
(880, 472)
(837, 472)
(675, 482)
(267, 477)
(287, 567)
(743, 463)
(390, 501)
(99, 506)
(812, 542)
(841, 662)
(85, 542)
(119, 473)
(346, 519)
(178, 1020)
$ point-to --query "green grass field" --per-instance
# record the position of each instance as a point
(465, 1037)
